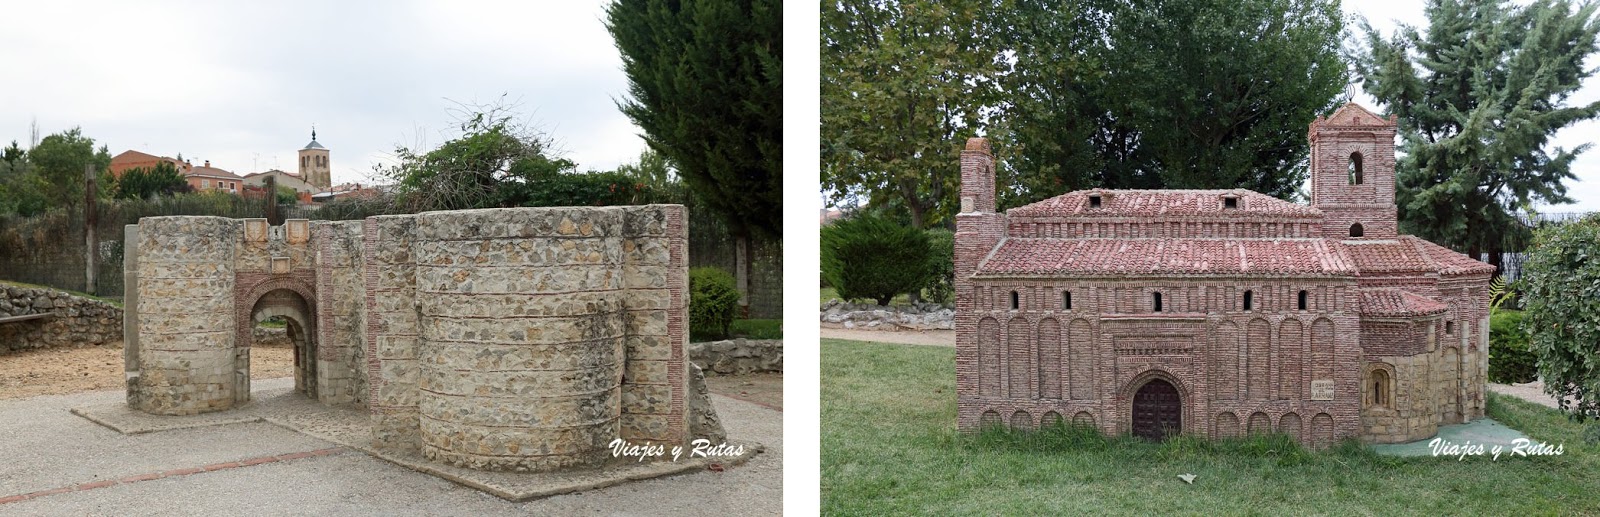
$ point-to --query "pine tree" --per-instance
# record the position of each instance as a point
(1479, 94)
(706, 85)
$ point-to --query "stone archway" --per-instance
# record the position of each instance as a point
(293, 301)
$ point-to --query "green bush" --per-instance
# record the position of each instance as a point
(870, 257)
(713, 301)
(941, 286)
(1561, 311)
(1509, 358)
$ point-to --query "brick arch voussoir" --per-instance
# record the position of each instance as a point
(245, 303)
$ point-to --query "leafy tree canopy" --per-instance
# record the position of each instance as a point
(59, 160)
(141, 183)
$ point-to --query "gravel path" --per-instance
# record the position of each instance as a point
(946, 338)
(1529, 391)
(46, 447)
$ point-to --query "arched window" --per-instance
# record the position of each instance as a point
(1248, 300)
(1302, 303)
(1157, 299)
(1016, 302)
(1355, 168)
(1066, 300)
(1380, 388)
(1356, 230)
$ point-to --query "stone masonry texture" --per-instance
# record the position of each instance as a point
(1319, 321)
(503, 339)
(74, 320)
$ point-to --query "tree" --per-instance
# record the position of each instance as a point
(1165, 94)
(903, 83)
(21, 189)
(486, 166)
(705, 82)
(141, 183)
(1562, 317)
(1479, 95)
(59, 160)
(871, 257)
(652, 168)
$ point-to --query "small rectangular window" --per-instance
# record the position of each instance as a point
(1066, 300)
(1016, 302)
(1302, 302)
(1230, 202)
(1157, 299)
(1094, 201)
(1247, 300)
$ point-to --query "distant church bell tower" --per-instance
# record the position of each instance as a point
(314, 164)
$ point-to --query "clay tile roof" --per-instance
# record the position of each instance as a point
(1391, 302)
(1387, 256)
(1029, 257)
(1144, 203)
(1450, 262)
(212, 172)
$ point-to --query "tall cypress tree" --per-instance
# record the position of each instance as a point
(706, 85)
(1479, 95)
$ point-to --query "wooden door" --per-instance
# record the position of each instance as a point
(1157, 411)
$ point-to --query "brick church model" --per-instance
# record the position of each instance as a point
(1219, 312)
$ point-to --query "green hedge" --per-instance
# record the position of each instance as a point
(1509, 358)
(713, 302)
(874, 258)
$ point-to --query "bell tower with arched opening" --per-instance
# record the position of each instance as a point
(314, 164)
(1352, 173)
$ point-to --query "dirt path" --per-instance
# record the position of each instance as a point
(904, 337)
(57, 371)
(1530, 391)
(765, 389)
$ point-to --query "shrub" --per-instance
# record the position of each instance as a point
(713, 301)
(1509, 358)
(870, 257)
(1561, 302)
(941, 286)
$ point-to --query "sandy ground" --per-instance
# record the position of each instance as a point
(59, 371)
(1529, 391)
(765, 389)
(904, 337)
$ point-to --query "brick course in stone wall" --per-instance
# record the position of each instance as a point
(502, 339)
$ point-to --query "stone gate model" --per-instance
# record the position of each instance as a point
(1219, 312)
(503, 339)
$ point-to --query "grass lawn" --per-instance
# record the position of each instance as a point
(889, 446)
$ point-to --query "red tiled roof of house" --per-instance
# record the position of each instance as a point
(1399, 303)
(1027, 257)
(1450, 262)
(211, 172)
(1145, 203)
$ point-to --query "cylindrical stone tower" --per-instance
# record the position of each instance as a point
(522, 332)
(185, 314)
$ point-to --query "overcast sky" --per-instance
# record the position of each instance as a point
(1384, 16)
(241, 84)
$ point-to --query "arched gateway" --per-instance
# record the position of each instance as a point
(507, 339)
(1157, 411)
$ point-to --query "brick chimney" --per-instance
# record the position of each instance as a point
(208, 163)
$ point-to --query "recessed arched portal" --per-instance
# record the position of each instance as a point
(294, 305)
(1157, 410)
